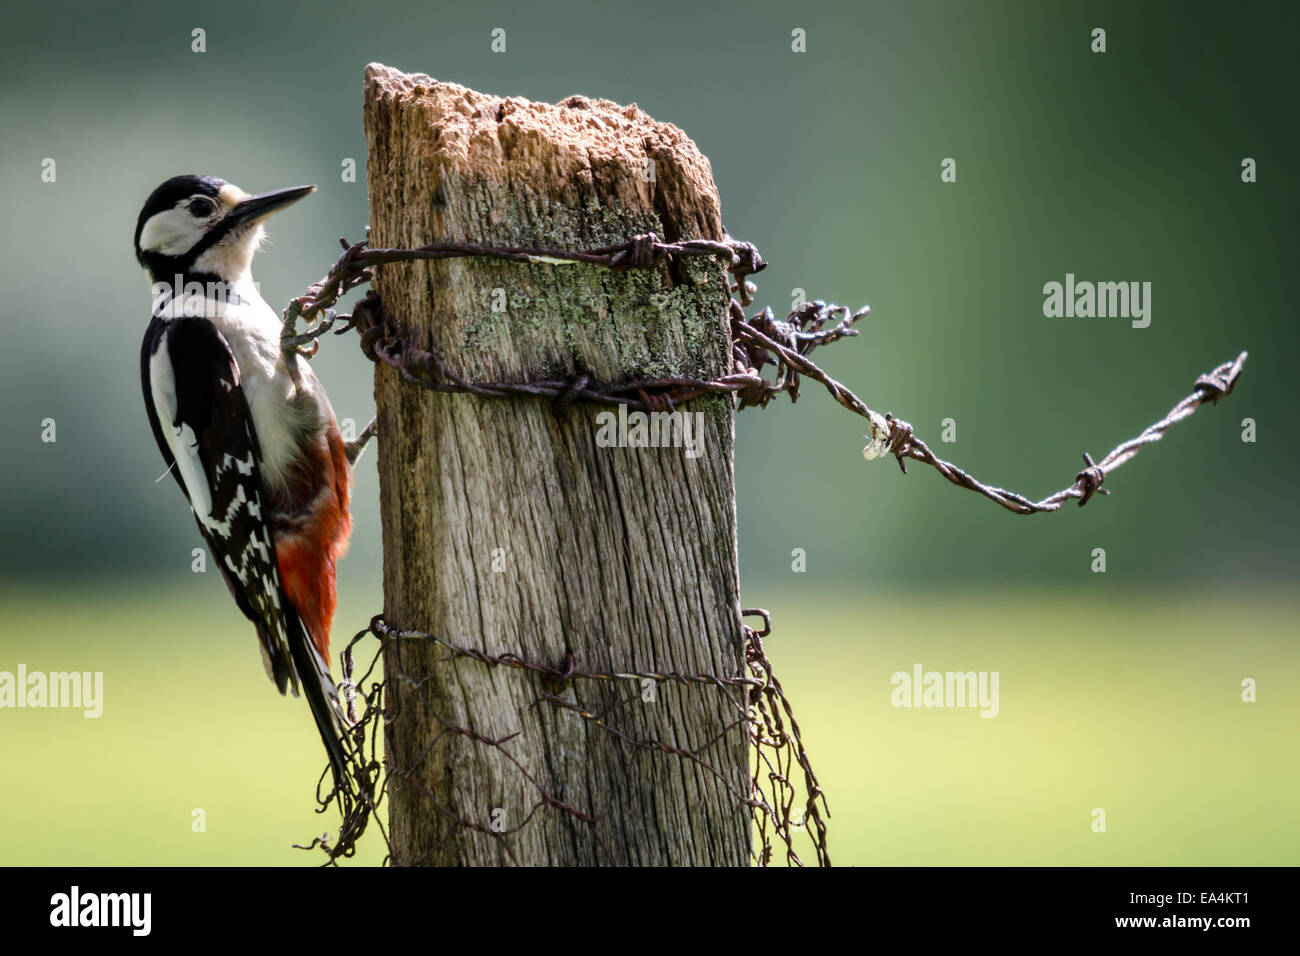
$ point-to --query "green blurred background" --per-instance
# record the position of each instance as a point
(1118, 690)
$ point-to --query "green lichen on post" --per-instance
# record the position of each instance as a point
(644, 322)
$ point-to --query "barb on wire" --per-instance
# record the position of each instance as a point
(1209, 388)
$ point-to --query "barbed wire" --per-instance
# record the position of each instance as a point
(783, 793)
(757, 341)
(777, 750)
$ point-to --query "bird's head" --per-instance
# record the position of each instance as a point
(201, 224)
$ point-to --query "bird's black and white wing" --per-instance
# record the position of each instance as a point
(201, 421)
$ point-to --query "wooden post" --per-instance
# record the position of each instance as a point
(509, 527)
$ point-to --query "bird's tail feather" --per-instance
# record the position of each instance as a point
(323, 699)
(353, 789)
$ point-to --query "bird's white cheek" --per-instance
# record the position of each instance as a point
(170, 233)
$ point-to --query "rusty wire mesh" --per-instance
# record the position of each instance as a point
(786, 801)
(784, 796)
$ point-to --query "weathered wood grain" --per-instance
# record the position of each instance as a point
(623, 557)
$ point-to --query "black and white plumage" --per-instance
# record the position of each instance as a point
(255, 449)
(212, 450)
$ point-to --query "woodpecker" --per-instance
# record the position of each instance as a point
(247, 430)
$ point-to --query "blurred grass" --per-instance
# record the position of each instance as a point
(190, 721)
(1128, 701)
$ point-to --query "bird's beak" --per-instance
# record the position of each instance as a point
(257, 208)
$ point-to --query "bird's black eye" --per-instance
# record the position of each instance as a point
(202, 208)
